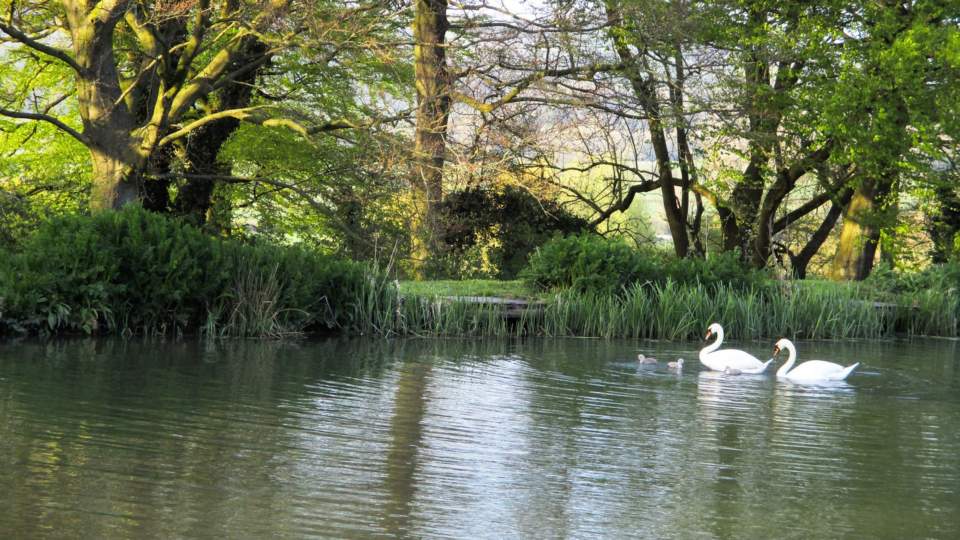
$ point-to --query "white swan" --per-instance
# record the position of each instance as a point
(811, 370)
(729, 358)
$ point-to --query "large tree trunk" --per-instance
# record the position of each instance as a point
(433, 109)
(860, 232)
(116, 178)
(117, 158)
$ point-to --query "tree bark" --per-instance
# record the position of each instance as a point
(860, 232)
(433, 110)
(117, 158)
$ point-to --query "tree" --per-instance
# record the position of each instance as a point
(899, 90)
(433, 111)
(152, 77)
(637, 50)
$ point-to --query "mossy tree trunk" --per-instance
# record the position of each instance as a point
(860, 232)
(130, 121)
(433, 110)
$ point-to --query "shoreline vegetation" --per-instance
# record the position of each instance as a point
(136, 273)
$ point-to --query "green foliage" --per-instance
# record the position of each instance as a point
(137, 271)
(359, 215)
(586, 262)
(491, 233)
(589, 262)
(885, 281)
(717, 268)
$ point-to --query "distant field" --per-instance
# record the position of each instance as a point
(469, 287)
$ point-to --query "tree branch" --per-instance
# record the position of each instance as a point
(797, 213)
(59, 54)
(257, 115)
(49, 119)
(624, 204)
(523, 83)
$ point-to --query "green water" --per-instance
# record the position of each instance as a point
(447, 438)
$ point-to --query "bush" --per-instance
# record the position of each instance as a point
(715, 269)
(586, 262)
(589, 262)
(886, 281)
(137, 271)
(491, 233)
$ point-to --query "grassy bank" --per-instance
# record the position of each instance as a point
(468, 287)
(810, 310)
(133, 272)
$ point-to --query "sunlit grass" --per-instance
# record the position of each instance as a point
(469, 287)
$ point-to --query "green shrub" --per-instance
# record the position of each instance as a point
(886, 281)
(586, 262)
(715, 269)
(138, 271)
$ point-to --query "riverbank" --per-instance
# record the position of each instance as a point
(673, 311)
(133, 272)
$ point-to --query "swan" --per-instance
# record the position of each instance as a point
(729, 358)
(646, 360)
(676, 366)
(811, 370)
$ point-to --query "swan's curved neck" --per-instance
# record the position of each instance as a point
(791, 358)
(715, 345)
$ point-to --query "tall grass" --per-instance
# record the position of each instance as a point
(253, 308)
(669, 311)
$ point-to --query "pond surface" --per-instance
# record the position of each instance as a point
(449, 438)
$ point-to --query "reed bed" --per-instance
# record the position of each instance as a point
(671, 311)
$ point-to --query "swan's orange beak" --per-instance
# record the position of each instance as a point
(709, 333)
(776, 350)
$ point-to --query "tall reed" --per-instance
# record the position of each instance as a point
(669, 310)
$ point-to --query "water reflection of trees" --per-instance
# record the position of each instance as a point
(406, 437)
(177, 438)
(340, 438)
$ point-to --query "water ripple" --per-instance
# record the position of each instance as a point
(453, 439)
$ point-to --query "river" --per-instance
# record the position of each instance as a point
(536, 438)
